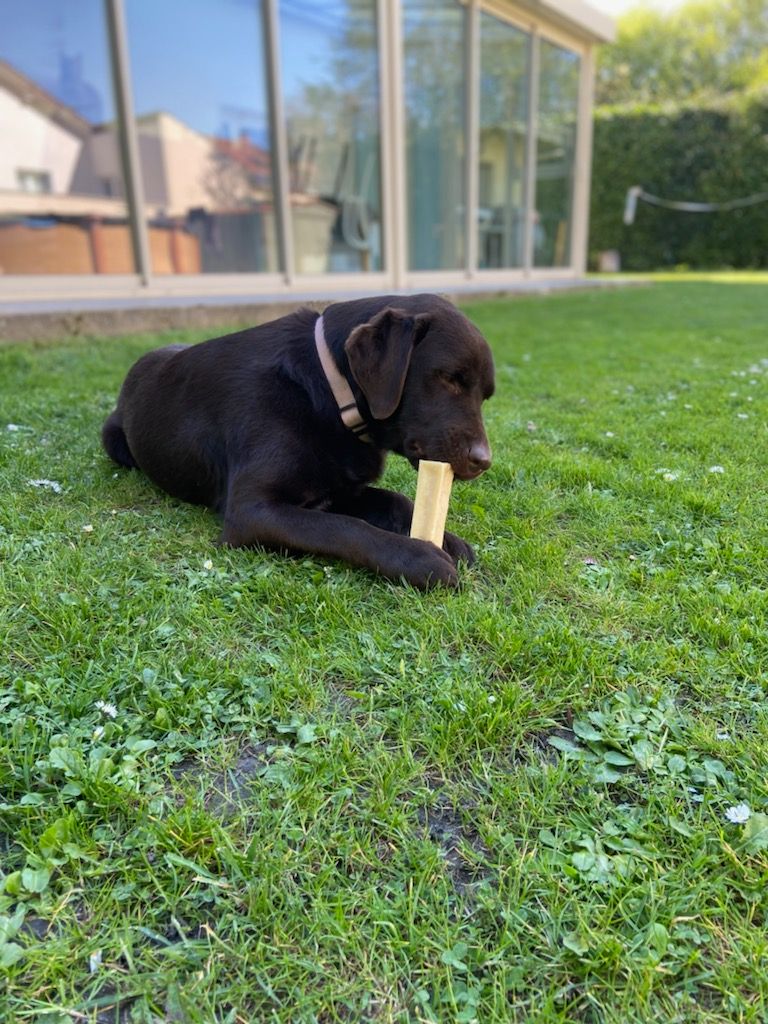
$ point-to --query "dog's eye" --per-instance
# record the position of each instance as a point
(455, 382)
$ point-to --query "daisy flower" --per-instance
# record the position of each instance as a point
(738, 814)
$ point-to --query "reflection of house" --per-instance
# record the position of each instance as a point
(58, 212)
(61, 191)
(51, 148)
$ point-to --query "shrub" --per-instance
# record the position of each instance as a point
(707, 153)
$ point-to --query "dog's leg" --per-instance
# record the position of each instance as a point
(390, 510)
(288, 527)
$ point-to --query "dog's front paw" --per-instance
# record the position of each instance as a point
(429, 567)
(458, 548)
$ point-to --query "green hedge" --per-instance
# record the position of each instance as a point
(704, 154)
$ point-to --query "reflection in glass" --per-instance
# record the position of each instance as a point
(200, 97)
(433, 39)
(61, 189)
(555, 155)
(504, 73)
(330, 81)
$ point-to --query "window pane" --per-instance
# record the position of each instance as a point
(198, 76)
(504, 78)
(434, 32)
(330, 71)
(555, 155)
(61, 185)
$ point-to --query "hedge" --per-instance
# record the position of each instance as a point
(708, 154)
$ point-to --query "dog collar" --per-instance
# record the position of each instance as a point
(342, 392)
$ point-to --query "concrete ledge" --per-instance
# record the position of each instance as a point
(44, 320)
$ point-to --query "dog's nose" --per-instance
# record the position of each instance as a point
(480, 456)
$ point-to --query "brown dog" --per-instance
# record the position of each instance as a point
(281, 428)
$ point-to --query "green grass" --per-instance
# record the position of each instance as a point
(325, 797)
(688, 276)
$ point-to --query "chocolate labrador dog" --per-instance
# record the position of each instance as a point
(282, 428)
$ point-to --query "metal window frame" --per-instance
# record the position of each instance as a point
(395, 274)
(128, 137)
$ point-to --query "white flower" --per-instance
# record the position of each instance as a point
(208, 564)
(671, 476)
(88, 528)
(716, 469)
(106, 708)
(491, 699)
(13, 426)
(52, 485)
(687, 405)
(609, 433)
(742, 415)
(739, 814)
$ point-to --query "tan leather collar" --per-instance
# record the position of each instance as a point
(342, 392)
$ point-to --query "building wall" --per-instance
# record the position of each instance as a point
(32, 142)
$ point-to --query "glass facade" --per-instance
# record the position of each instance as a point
(255, 161)
(505, 62)
(330, 80)
(555, 155)
(435, 120)
(203, 135)
(62, 206)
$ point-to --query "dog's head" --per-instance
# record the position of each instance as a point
(425, 376)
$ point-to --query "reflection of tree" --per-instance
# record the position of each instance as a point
(238, 173)
(558, 104)
(333, 124)
(504, 90)
(434, 96)
(504, 71)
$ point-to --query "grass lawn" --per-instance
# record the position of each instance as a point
(238, 787)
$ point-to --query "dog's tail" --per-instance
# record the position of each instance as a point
(115, 442)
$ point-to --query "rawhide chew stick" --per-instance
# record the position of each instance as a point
(433, 492)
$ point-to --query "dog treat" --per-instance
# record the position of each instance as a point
(433, 492)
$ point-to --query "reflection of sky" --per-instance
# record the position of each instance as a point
(62, 46)
(200, 60)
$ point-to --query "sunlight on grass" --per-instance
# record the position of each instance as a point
(692, 276)
(238, 787)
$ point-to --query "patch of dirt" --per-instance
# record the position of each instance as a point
(539, 742)
(341, 703)
(443, 824)
(226, 790)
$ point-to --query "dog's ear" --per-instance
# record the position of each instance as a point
(379, 355)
